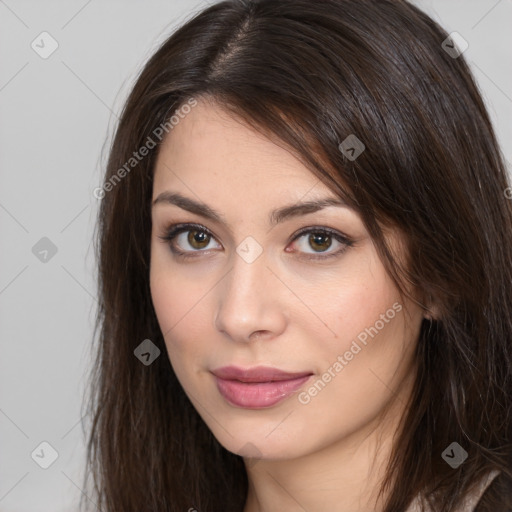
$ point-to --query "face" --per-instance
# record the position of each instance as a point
(281, 323)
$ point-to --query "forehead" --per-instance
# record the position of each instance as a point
(209, 148)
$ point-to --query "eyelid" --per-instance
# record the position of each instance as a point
(172, 231)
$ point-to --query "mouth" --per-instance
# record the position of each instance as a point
(257, 387)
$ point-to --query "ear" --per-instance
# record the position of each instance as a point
(431, 309)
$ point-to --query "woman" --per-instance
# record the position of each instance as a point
(305, 281)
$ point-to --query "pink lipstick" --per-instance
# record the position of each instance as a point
(257, 387)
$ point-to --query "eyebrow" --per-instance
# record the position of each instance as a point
(276, 216)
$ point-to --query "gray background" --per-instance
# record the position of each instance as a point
(57, 116)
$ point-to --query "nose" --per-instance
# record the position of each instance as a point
(251, 302)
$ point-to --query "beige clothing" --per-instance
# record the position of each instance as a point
(469, 503)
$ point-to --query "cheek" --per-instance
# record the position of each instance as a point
(351, 302)
(181, 309)
(370, 352)
(176, 297)
(164, 296)
(369, 344)
(169, 305)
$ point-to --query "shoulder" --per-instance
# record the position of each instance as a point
(492, 494)
(496, 494)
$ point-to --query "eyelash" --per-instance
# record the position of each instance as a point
(174, 230)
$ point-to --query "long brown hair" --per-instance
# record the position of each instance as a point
(310, 74)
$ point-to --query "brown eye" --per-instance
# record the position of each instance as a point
(198, 239)
(188, 239)
(311, 243)
(320, 241)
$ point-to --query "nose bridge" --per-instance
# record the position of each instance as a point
(245, 285)
(248, 301)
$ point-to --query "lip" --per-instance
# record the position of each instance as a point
(257, 387)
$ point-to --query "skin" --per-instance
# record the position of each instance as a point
(282, 310)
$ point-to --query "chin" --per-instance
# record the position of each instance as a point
(261, 438)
